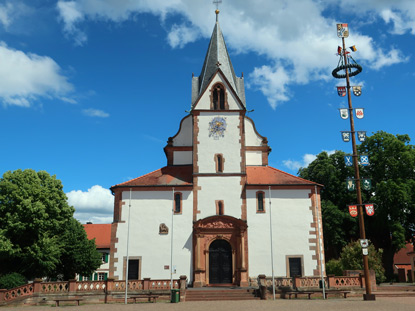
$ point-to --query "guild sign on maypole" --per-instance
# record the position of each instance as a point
(346, 68)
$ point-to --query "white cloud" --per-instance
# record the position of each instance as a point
(272, 82)
(96, 204)
(5, 14)
(297, 37)
(179, 36)
(95, 113)
(71, 15)
(296, 165)
(307, 159)
(25, 77)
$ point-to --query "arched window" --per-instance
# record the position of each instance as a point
(218, 97)
(260, 206)
(177, 203)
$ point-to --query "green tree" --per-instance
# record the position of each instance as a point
(34, 222)
(79, 254)
(351, 259)
(338, 227)
(392, 172)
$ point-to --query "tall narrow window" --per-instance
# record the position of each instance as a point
(177, 203)
(218, 97)
(260, 206)
(220, 208)
(219, 163)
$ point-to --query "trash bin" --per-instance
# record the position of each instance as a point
(175, 295)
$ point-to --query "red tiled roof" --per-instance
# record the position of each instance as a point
(406, 267)
(166, 176)
(182, 176)
(267, 175)
(401, 257)
(101, 233)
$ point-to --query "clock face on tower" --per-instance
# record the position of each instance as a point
(217, 127)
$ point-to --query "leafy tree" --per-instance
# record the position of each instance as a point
(338, 227)
(79, 254)
(392, 172)
(351, 259)
(34, 222)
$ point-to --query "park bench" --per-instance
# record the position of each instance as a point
(344, 292)
(296, 293)
(57, 301)
(150, 297)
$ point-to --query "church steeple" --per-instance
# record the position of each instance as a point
(217, 57)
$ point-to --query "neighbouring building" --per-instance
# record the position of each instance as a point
(403, 263)
(208, 211)
(102, 235)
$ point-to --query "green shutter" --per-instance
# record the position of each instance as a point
(95, 276)
(105, 276)
(80, 277)
(106, 257)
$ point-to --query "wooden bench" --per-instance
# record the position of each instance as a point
(67, 300)
(296, 293)
(151, 298)
(344, 292)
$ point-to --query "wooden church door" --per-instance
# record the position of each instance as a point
(220, 262)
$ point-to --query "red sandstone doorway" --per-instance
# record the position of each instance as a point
(226, 237)
(220, 262)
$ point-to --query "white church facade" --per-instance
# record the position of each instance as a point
(215, 196)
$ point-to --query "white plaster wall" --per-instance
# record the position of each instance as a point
(185, 135)
(229, 145)
(291, 223)
(251, 137)
(228, 189)
(182, 157)
(253, 158)
(148, 210)
(204, 102)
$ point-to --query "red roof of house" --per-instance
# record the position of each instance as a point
(401, 257)
(182, 176)
(101, 233)
(267, 175)
(166, 176)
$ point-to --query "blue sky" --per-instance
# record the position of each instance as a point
(91, 90)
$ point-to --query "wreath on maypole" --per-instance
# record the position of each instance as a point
(353, 67)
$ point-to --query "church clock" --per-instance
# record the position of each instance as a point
(217, 127)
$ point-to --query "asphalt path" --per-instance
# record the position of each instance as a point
(334, 304)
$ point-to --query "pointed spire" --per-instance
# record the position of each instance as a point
(217, 57)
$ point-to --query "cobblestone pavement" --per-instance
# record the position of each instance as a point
(349, 304)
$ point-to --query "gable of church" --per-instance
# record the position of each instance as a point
(211, 99)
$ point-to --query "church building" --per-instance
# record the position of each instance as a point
(213, 212)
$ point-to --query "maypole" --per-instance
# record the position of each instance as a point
(351, 68)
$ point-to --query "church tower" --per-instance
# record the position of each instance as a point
(217, 184)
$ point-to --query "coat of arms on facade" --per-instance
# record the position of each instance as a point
(217, 127)
(163, 229)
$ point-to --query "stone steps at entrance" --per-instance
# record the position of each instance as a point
(220, 294)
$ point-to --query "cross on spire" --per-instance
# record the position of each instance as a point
(217, 2)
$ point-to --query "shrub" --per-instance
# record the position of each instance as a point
(12, 280)
(334, 266)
